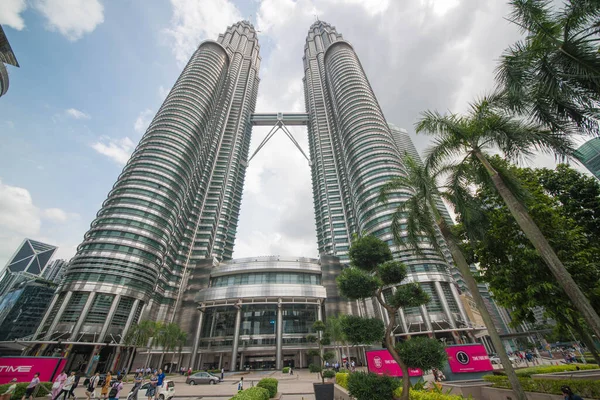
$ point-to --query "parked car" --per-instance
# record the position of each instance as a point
(202, 377)
(165, 392)
(496, 360)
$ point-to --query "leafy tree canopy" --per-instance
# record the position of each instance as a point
(368, 252)
(424, 353)
(392, 272)
(359, 330)
(356, 284)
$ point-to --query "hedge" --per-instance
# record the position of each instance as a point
(254, 393)
(341, 378)
(43, 390)
(270, 384)
(370, 386)
(584, 388)
(548, 369)
(286, 370)
(427, 395)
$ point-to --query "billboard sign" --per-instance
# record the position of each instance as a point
(381, 362)
(23, 368)
(468, 358)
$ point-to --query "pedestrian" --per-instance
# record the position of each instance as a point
(291, 370)
(138, 380)
(74, 386)
(116, 388)
(241, 384)
(222, 373)
(66, 388)
(90, 390)
(58, 384)
(161, 379)
(151, 391)
(189, 371)
(353, 366)
(10, 391)
(106, 386)
(568, 393)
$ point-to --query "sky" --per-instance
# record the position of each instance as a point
(94, 72)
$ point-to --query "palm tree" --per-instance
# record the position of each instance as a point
(147, 331)
(422, 216)
(180, 340)
(167, 338)
(335, 331)
(553, 75)
(486, 127)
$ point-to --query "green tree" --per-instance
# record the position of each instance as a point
(470, 138)
(322, 339)
(141, 335)
(167, 336)
(516, 273)
(336, 333)
(553, 75)
(422, 216)
(372, 268)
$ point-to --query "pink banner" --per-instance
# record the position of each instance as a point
(381, 362)
(468, 358)
(23, 368)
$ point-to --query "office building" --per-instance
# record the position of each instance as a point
(30, 259)
(55, 270)
(24, 306)
(6, 57)
(589, 155)
(161, 246)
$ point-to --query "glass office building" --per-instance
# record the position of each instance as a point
(589, 155)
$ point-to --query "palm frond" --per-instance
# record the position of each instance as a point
(529, 14)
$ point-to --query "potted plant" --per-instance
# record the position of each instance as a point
(323, 390)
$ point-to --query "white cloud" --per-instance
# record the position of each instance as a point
(196, 20)
(162, 92)
(118, 150)
(20, 218)
(72, 18)
(77, 114)
(10, 13)
(58, 215)
(143, 120)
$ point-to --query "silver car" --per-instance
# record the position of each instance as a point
(202, 378)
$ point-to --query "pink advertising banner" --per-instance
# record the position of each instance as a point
(468, 358)
(381, 362)
(23, 368)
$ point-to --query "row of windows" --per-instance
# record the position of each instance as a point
(266, 277)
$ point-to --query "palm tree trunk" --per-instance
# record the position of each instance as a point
(391, 347)
(537, 239)
(463, 267)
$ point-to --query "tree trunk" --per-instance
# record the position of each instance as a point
(391, 347)
(463, 267)
(537, 239)
(148, 355)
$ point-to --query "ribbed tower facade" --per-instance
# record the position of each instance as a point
(354, 153)
(177, 200)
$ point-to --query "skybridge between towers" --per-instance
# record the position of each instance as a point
(279, 121)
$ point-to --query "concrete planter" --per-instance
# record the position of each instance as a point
(490, 393)
(339, 393)
(323, 391)
(466, 388)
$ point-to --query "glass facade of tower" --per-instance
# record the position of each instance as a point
(177, 200)
(589, 155)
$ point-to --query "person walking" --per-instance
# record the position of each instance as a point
(151, 391)
(90, 390)
(138, 380)
(115, 389)
(58, 384)
(31, 387)
(106, 386)
(222, 373)
(161, 379)
(74, 386)
(66, 388)
(241, 384)
(10, 391)
(568, 393)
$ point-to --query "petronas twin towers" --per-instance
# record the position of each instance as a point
(161, 246)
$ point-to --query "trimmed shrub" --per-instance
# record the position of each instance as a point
(584, 388)
(428, 395)
(341, 378)
(286, 370)
(369, 386)
(254, 393)
(270, 384)
(43, 389)
(548, 369)
(328, 374)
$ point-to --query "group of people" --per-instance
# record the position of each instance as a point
(29, 391)
(350, 365)
(526, 356)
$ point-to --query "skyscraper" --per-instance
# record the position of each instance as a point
(353, 154)
(161, 245)
(55, 271)
(589, 155)
(176, 201)
(6, 57)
